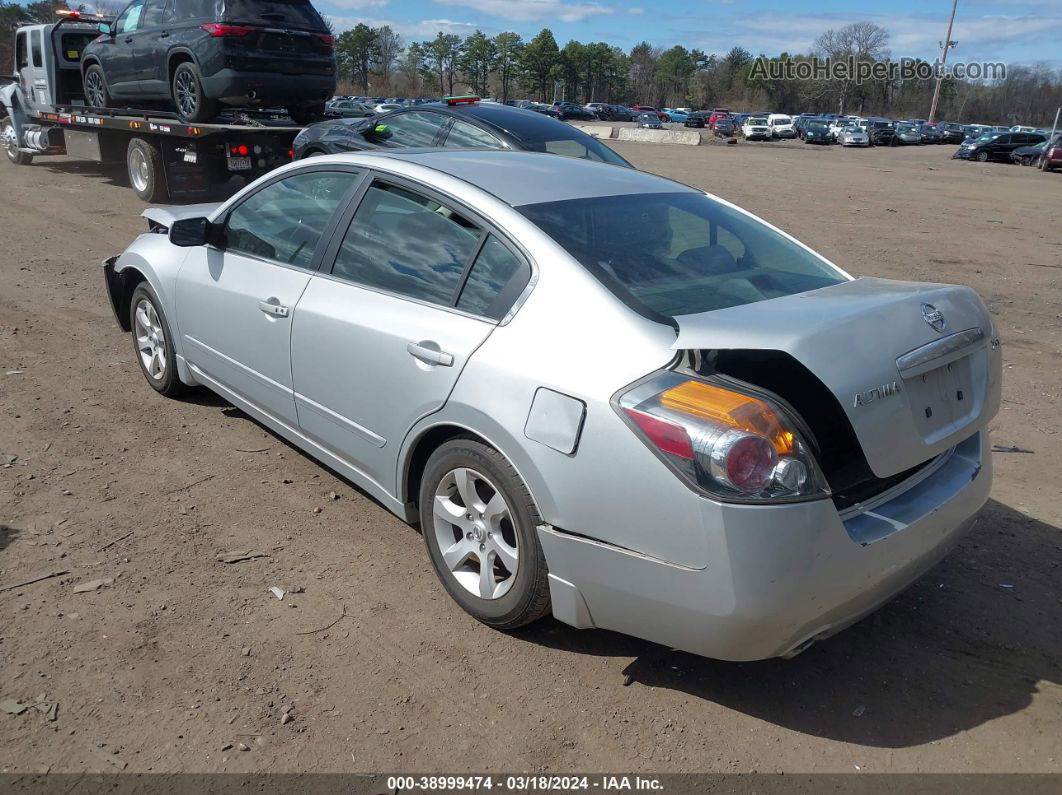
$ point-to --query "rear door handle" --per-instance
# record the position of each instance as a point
(430, 355)
(273, 308)
(128, 39)
(164, 35)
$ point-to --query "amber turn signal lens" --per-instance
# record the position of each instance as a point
(733, 409)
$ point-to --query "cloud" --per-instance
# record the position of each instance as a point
(354, 4)
(533, 10)
(986, 37)
(423, 29)
(636, 11)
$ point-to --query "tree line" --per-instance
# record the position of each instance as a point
(377, 61)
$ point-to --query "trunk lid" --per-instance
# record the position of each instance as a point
(910, 388)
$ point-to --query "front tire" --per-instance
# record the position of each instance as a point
(189, 98)
(982, 157)
(479, 525)
(153, 343)
(9, 137)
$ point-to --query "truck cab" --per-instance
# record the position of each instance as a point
(48, 64)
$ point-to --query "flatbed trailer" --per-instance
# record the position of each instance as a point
(42, 113)
(165, 157)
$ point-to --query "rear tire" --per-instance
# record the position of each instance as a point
(488, 512)
(146, 175)
(188, 95)
(95, 87)
(153, 343)
(10, 142)
(306, 114)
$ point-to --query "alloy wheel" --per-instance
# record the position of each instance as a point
(94, 89)
(186, 93)
(150, 340)
(474, 528)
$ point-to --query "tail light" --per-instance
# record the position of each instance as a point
(239, 150)
(221, 29)
(726, 443)
(327, 38)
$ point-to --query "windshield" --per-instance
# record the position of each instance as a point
(989, 137)
(816, 125)
(680, 253)
(762, 122)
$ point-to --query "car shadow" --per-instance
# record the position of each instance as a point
(116, 174)
(968, 643)
(8, 535)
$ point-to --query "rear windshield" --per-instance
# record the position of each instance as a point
(670, 254)
(298, 13)
(562, 139)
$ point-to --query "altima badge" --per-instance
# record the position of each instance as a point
(877, 393)
(934, 317)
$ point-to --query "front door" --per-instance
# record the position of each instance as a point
(381, 340)
(237, 300)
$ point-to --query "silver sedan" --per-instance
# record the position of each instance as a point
(853, 136)
(602, 394)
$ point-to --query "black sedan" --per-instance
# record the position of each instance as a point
(458, 123)
(699, 119)
(570, 110)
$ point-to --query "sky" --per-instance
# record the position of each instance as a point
(1013, 31)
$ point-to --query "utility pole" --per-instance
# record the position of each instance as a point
(948, 43)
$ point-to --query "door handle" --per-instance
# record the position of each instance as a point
(272, 308)
(164, 35)
(128, 39)
(430, 355)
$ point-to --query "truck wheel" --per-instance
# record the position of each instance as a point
(191, 101)
(96, 93)
(9, 137)
(145, 170)
(306, 114)
(479, 524)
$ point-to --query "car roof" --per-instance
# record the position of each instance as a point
(519, 178)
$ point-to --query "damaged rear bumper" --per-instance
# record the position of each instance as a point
(778, 577)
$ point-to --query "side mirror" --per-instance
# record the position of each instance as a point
(186, 232)
(105, 29)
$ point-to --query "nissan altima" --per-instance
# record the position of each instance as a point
(601, 394)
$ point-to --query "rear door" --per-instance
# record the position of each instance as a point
(237, 299)
(417, 284)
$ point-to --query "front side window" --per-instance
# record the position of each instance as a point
(284, 221)
(463, 135)
(410, 129)
(406, 243)
(680, 253)
(130, 18)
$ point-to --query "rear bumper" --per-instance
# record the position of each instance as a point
(779, 577)
(234, 87)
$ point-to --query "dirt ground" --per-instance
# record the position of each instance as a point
(183, 663)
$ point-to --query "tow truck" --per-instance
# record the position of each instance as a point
(43, 112)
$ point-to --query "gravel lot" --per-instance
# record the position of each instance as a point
(181, 661)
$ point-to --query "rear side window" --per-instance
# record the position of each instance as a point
(464, 135)
(496, 278)
(284, 221)
(672, 254)
(407, 243)
(188, 10)
(38, 51)
(410, 129)
(156, 12)
(297, 13)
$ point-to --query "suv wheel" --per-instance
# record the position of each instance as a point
(306, 114)
(479, 525)
(188, 97)
(95, 83)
